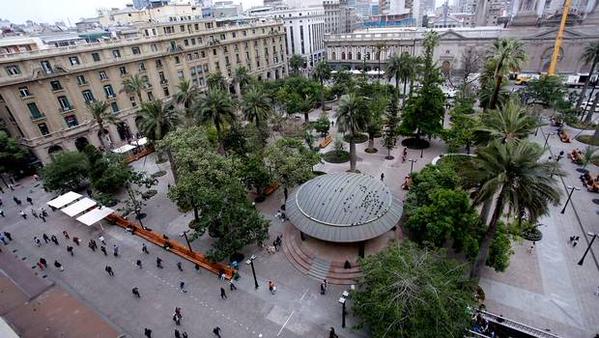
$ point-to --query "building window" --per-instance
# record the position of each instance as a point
(55, 85)
(153, 47)
(43, 129)
(177, 60)
(135, 50)
(193, 41)
(142, 67)
(180, 75)
(132, 99)
(115, 107)
(46, 67)
(24, 92)
(150, 96)
(109, 91)
(13, 70)
(96, 57)
(186, 42)
(34, 111)
(158, 63)
(81, 80)
(116, 53)
(103, 75)
(166, 92)
(64, 103)
(123, 70)
(88, 96)
(203, 54)
(214, 52)
(74, 60)
(71, 121)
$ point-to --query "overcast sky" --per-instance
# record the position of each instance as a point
(18, 11)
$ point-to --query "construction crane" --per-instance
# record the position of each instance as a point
(560, 37)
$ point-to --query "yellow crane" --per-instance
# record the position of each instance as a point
(560, 37)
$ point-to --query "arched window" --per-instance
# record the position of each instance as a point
(342, 55)
(349, 56)
(333, 56)
(359, 56)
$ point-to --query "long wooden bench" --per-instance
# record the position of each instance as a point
(271, 188)
(144, 152)
(173, 246)
(326, 141)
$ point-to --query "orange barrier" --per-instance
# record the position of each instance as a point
(271, 188)
(173, 246)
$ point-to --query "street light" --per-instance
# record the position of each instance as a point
(412, 165)
(342, 301)
(547, 139)
(184, 234)
(572, 188)
(250, 261)
(581, 261)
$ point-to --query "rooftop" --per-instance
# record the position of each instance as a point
(343, 207)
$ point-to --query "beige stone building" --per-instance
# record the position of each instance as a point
(43, 93)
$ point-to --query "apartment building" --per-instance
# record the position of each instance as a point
(43, 93)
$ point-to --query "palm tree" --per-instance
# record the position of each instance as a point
(185, 96)
(216, 81)
(510, 123)
(322, 72)
(379, 50)
(98, 110)
(242, 78)
(256, 106)
(351, 117)
(393, 70)
(590, 55)
(296, 62)
(216, 107)
(157, 119)
(509, 55)
(134, 85)
(511, 175)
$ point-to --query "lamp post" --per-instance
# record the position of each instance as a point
(421, 152)
(342, 301)
(250, 262)
(547, 139)
(572, 188)
(581, 261)
(412, 165)
(184, 234)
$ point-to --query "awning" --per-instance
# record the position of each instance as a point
(141, 142)
(123, 149)
(95, 215)
(79, 207)
(63, 200)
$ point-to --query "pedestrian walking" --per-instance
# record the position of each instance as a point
(216, 331)
(176, 319)
(76, 240)
(382, 176)
(41, 266)
(2, 213)
(271, 287)
(36, 241)
(58, 265)
(147, 333)
(135, 292)
(332, 333)
(70, 250)
(144, 249)
(182, 286)
(29, 200)
(178, 312)
(232, 286)
(23, 214)
(8, 235)
(223, 294)
(46, 238)
(179, 266)
(43, 218)
(184, 335)
(101, 239)
(54, 239)
(138, 263)
(159, 262)
(33, 213)
(103, 249)
(91, 246)
(66, 234)
(43, 262)
(109, 270)
(3, 239)
(115, 250)
(323, 289)
(177, 334)
(44, 212)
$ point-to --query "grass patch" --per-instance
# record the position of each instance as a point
(581, 125)
(358, 138)
(148, 194)
(595, 160)
(334, 156)
(588, 139)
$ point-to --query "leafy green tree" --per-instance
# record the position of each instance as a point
(107, 172)
(548, 90)
(68, 171)
(100, 114)
(298, 95)
(423, 114)
(255, 174)
(242, 79)
(463, 126)
(290, 162)
(401, 68)
(185, 96)
(511, 175)
(157, 119)
(296, 62)
(391, 132)
(137, 184)
(500, 249)
(322, 72)
(134, 85)
(322, 125)
(412, 292)
(12, 154)
(216, 107)
(590, 55)
(509, 55)
(374, 123)
(351, 117)
(343, 82)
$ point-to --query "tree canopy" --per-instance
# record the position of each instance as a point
(67, 171)
(12, 155)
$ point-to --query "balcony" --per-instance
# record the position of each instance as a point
(164, 81)
(66, 109)
(41, 117)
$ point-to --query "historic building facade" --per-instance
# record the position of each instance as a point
(43, 94)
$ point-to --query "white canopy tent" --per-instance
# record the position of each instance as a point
(79, 207)
(63, 200)
(141, 142)
(123, 149)
(95, 215)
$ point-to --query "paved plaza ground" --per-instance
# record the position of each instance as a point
(546, 288)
